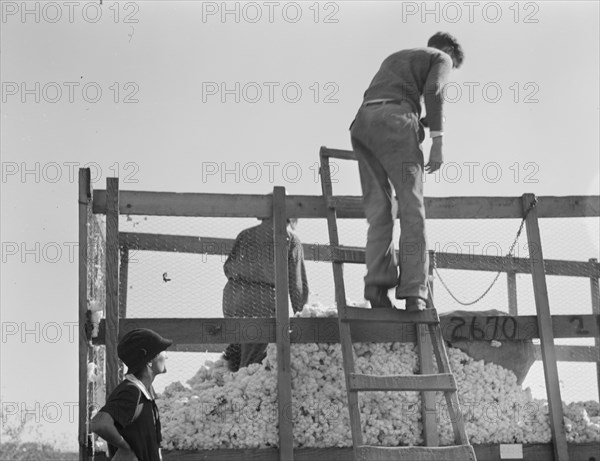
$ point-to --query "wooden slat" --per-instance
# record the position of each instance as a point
(112, 284)
(85, 197)
(540, 291)
(511, 283)
(360, 314)
(484, 207)
(595, 292)
(483, 452)
(459, 261)
(487, 328)
(425, 348)
(348, 207)
(571, 353)
(139, 241)
(123, 278)
(284, 361)
(188, 204)
(325, 330)
(457, 452)
(434, 382)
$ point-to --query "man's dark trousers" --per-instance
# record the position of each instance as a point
(386, 139)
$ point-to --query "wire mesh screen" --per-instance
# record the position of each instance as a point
(573, 239)
(183, 279)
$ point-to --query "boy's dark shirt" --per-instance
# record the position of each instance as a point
(143, 435)
(410, 74)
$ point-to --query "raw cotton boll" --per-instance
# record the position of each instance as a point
(91, 372)
(221, 409)
(95, 305)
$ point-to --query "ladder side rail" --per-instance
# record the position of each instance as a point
(340, 298)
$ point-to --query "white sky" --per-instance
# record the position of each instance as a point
(178, 132)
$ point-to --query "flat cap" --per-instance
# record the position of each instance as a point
(139, 346)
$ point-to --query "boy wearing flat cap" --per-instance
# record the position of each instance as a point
(129, 422)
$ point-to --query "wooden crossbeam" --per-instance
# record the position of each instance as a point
(325, 330)
(347, 207)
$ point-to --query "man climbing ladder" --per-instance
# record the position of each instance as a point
(430, 340)
(386, 136)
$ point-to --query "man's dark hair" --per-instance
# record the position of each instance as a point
(443, 39)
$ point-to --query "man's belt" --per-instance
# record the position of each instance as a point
(383, 101)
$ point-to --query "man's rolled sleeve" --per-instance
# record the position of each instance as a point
(122, 405)
(433, 92)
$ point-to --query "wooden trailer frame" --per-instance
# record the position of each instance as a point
(211, 334)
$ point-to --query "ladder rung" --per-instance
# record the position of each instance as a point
(361, 314)
(457, 452)
(437, 382)
(338, 153)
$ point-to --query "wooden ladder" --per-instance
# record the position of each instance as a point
(426, 322)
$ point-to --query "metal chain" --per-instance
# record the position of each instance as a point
(462, 303)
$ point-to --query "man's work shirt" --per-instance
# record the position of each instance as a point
(250, 269)
(131, 400)
(410, 74)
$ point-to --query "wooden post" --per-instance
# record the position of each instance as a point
(123, 274)
(85, 204)
(428, 403)
(112, 284)
(540, 291)
(511, 280)
(284, 377)
(595, 289)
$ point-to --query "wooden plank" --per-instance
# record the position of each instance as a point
(347, 207)
(85, 196)
(374, 453)
(511, 282)
(112, 284)
(595, 292)
(188, 204)
(425, 348)
(284, 360)
(485, 207)
(123, 277)
(123, 280)
(360, 314)
(571, 353)
(433, 382)
(487, 328)
(458, 261)
(325, 330)
(542, 305)
(483, 452)
(176, 243)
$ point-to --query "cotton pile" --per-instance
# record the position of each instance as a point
(221, 409)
